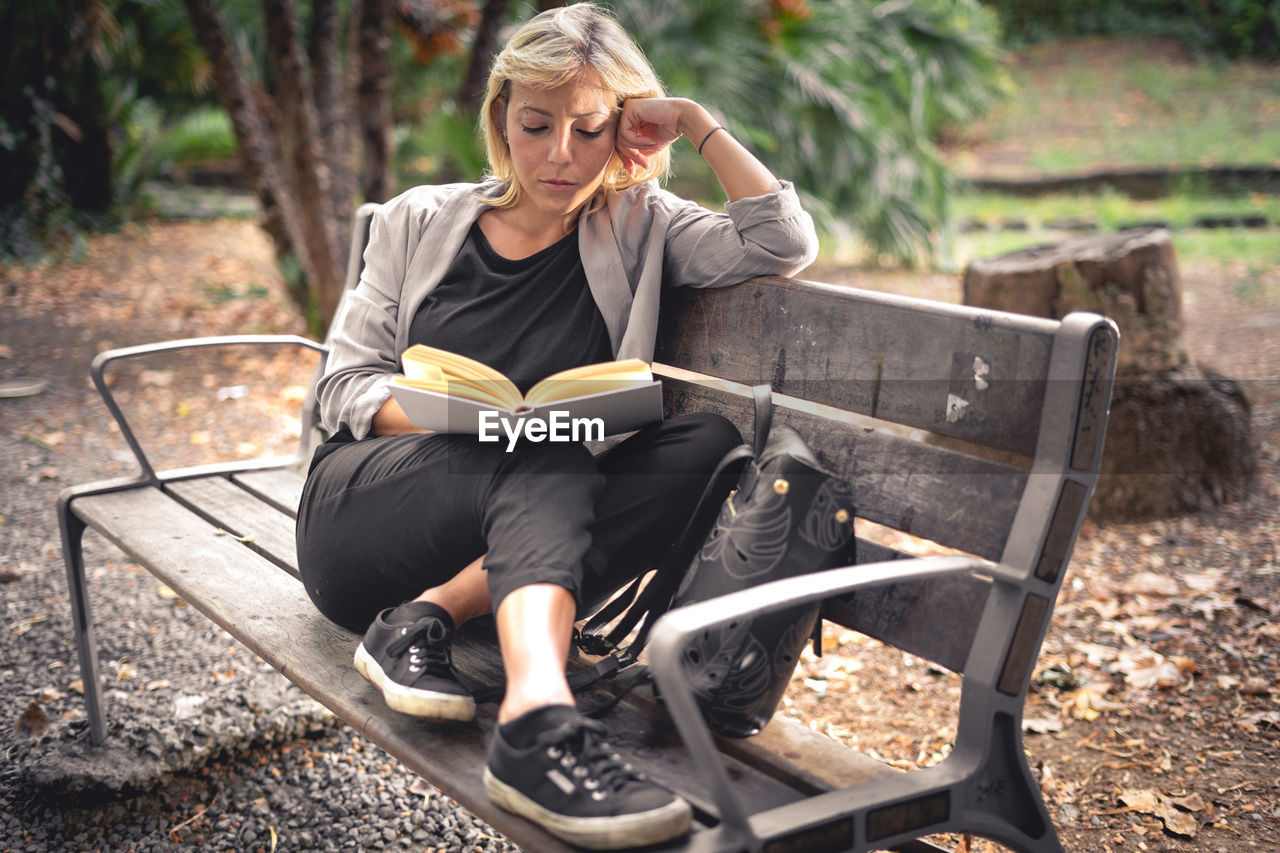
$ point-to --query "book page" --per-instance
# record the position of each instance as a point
(449, 373)
(590, 379)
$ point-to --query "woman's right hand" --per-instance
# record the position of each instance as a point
(390, 419)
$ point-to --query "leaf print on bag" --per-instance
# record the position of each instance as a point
(750, 541)
(787, 653)
(728, 665)
(823, 525)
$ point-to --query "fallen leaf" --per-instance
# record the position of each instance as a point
(20, 628)
(1088, 703)
(50, 694)
(1043, 725)
(1255, 686)
(33, 722)
(158, 684)
(1262, 720)
(1192, 803)
(1150, 583)
(1207, 581)
(165, 591)
(77, 686)
(1144, 668)
(199, 438)
(156, 378)
(1152, 802)
(125, 672)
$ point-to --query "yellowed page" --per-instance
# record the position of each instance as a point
(589, 379)
(449, 373)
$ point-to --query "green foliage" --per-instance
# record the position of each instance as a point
(841, 96)
(201, 135)
(81, 115)
(1231, 28)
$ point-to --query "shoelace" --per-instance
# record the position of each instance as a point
(581, 750)
(426, 643)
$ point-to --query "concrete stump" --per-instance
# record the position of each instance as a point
(1179, 436)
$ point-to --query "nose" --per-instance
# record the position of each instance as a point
(560, 153)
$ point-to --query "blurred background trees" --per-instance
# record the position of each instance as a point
(328, 103)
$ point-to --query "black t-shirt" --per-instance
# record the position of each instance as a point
(527, 318)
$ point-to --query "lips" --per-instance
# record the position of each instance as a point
(559, 186)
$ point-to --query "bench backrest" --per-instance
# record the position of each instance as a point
(977, 430)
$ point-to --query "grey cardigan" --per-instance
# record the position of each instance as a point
(638, 241)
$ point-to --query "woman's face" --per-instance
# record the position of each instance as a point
(561, 141)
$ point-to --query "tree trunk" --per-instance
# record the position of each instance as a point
(300, 137)
(281, 218)
(333, 107)
(471, 94)
(1179, 436)
(374, 97)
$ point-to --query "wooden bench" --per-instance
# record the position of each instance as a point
(977, 430)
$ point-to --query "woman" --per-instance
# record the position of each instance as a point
(556, 260)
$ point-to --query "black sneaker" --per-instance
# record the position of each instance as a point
(572, 784)
(408, 654)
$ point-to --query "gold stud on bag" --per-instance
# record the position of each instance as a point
(781, 486)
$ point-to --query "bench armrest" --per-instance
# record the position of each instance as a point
(97, 371)
(674, 631)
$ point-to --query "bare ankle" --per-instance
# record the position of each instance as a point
(517, 706)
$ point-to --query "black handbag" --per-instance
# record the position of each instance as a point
(786, 517)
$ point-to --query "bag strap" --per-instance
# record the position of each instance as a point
(762, 396)
(656, 598)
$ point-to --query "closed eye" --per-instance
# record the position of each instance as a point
(592, 134)
(527, 129)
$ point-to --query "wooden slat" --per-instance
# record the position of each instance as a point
(890, 357)
(222, 503)
(230, 584)
(932, 492)
(280, 487)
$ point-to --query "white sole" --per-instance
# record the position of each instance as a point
(597, 833)
(428, 704)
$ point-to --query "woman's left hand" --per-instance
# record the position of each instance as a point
(646, 126)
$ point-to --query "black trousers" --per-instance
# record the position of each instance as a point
(383, 519)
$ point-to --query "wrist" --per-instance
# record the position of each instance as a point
(695, 121)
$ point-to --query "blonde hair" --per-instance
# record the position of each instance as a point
(554, 48)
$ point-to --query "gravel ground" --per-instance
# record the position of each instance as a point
(208, 747)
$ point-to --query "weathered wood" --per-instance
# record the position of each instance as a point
(977, 377)
(263, 528)
(932, 492)
(933, 619)
(1130, 276)
(280, 487)
(228, 582)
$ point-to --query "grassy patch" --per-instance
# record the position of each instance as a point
(1254, 252)
(1090, 103)
(1110, 209)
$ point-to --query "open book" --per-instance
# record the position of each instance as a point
(447, 392)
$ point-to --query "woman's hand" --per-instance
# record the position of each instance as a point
(647, 125)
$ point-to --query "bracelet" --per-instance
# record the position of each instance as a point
(708, 136)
